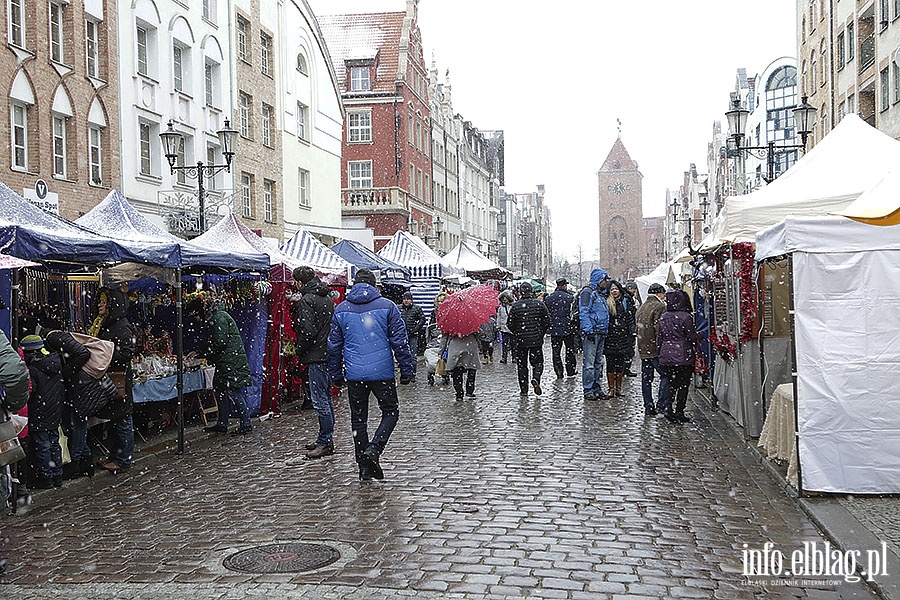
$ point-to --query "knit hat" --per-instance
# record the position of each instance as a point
(656, 289)
(407, 295)
(33, 343)
(364, 276)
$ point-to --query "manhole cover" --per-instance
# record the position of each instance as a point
(282, 558)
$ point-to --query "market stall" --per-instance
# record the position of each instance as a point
(844, 278)
(308, 250)
(475, 264)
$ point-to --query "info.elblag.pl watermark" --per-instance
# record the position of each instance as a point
(814, 560)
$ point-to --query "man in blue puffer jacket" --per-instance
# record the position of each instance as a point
(367, 332)
(594, 316)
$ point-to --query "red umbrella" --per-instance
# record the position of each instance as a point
(466, 311)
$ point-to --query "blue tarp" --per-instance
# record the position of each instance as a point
(28, 232)
(116, 218)
(362, 258)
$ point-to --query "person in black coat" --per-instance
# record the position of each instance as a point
(312, 322)
(112, 325)
(559, 305)
(528, 321)
(44, 411)
(414, 319)
(619, 341)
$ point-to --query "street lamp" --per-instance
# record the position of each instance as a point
(704, 208)
(172, 141)
(437, 227)
(804, 119)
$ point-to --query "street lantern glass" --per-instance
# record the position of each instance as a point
(171, 141)
(226, 140)
(804, 117)
(737, 119)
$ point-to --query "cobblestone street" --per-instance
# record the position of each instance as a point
(550, 497)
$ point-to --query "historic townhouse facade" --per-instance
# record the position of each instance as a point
(444, 165)
(386, 174)
(61, 66)
(174, 65)
(480, 178)
(528, 234)
(258, 167)
(312, 121)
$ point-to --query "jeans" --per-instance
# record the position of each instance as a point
(556, 344)
(121, 441)
(592, 364)
(386, 394)
(320, 393)
(46, 453)
(228, 398)
(649, 366)
(523, 355)
(679, 383)
(457, 375)
(413, 341)
(509, 345)
(78, 444)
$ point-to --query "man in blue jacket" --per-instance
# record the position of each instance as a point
(593, 313)
(367, 333)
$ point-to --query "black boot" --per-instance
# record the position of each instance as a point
(86, 466)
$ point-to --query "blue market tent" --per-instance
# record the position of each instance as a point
(30, 233)
(386, 271)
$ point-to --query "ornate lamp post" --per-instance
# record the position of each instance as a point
(172, 140)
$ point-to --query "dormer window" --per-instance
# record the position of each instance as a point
(360, 79)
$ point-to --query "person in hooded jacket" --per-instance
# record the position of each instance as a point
(619, 342)
(676, 338)
(647, 319)
(367, 334)
(528, 320)
(224, 348)
(593, 318)
(312, 322)
(112, 325)
(80, 392)
(559, 305)
(45, 414)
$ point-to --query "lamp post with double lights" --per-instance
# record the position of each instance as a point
(435, 238)
(172, 141)
(804, 119)
(704, 210)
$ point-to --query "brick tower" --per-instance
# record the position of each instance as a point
(621, 212)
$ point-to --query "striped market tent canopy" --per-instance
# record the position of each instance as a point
(410, 251)
(309, 250)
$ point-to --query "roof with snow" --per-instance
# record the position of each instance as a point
(374, 36)
(309, 250)
(410, 251)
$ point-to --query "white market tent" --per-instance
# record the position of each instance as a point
(426, 267)
(475, 263)
(846, 280)
(663, 274)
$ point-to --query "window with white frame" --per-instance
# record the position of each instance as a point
(56, 32)
(209, 83)
(851, 42)
(265, 53)
(17, 23)
(59, 146)
(209, 10)
(412, 180)
(360, 126)
(244, 108)
(92, 47)
(302, 119)
(267, 124)
(146, 150)
(841, 52)
(95, 155)
(302, 65)
(177, 69)
(269, 200)
(247, 195)
(180, 160)
(211, 183)
(303, 188)
(896, 68)
(360, 172)
(359, 79)
(19, 116)
(243, 29)
(146, 49)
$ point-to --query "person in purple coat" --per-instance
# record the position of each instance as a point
(677, 338)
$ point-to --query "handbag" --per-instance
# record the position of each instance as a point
(700, 365)
(101, 354)
(440, 368)
(10, 448)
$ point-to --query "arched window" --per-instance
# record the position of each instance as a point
(301, 64)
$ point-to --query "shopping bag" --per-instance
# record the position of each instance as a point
(10, 448)
(441, 369)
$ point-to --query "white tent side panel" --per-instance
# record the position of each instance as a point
(848, 355)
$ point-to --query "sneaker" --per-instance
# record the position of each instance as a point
(266, 416)
(537, 386)
(320, 451)
(459, 397)
(242, 430)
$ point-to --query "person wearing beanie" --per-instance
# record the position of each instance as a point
(528, 320)
(45, 411)
(367, 334)
(414, 319)
(312, 322)
(647, 318)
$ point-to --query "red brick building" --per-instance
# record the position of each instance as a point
(620, 191)
(386, 163)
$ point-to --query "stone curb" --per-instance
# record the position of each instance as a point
(837, 523)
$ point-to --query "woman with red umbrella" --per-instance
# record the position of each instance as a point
(460, 317)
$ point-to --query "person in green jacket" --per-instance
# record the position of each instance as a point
(224, 349)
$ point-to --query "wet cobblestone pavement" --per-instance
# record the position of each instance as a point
(498, 496)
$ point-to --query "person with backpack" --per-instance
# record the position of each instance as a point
(45, 412)
(593, 315)
(559, 305)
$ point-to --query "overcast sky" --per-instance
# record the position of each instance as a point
(556, 80)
